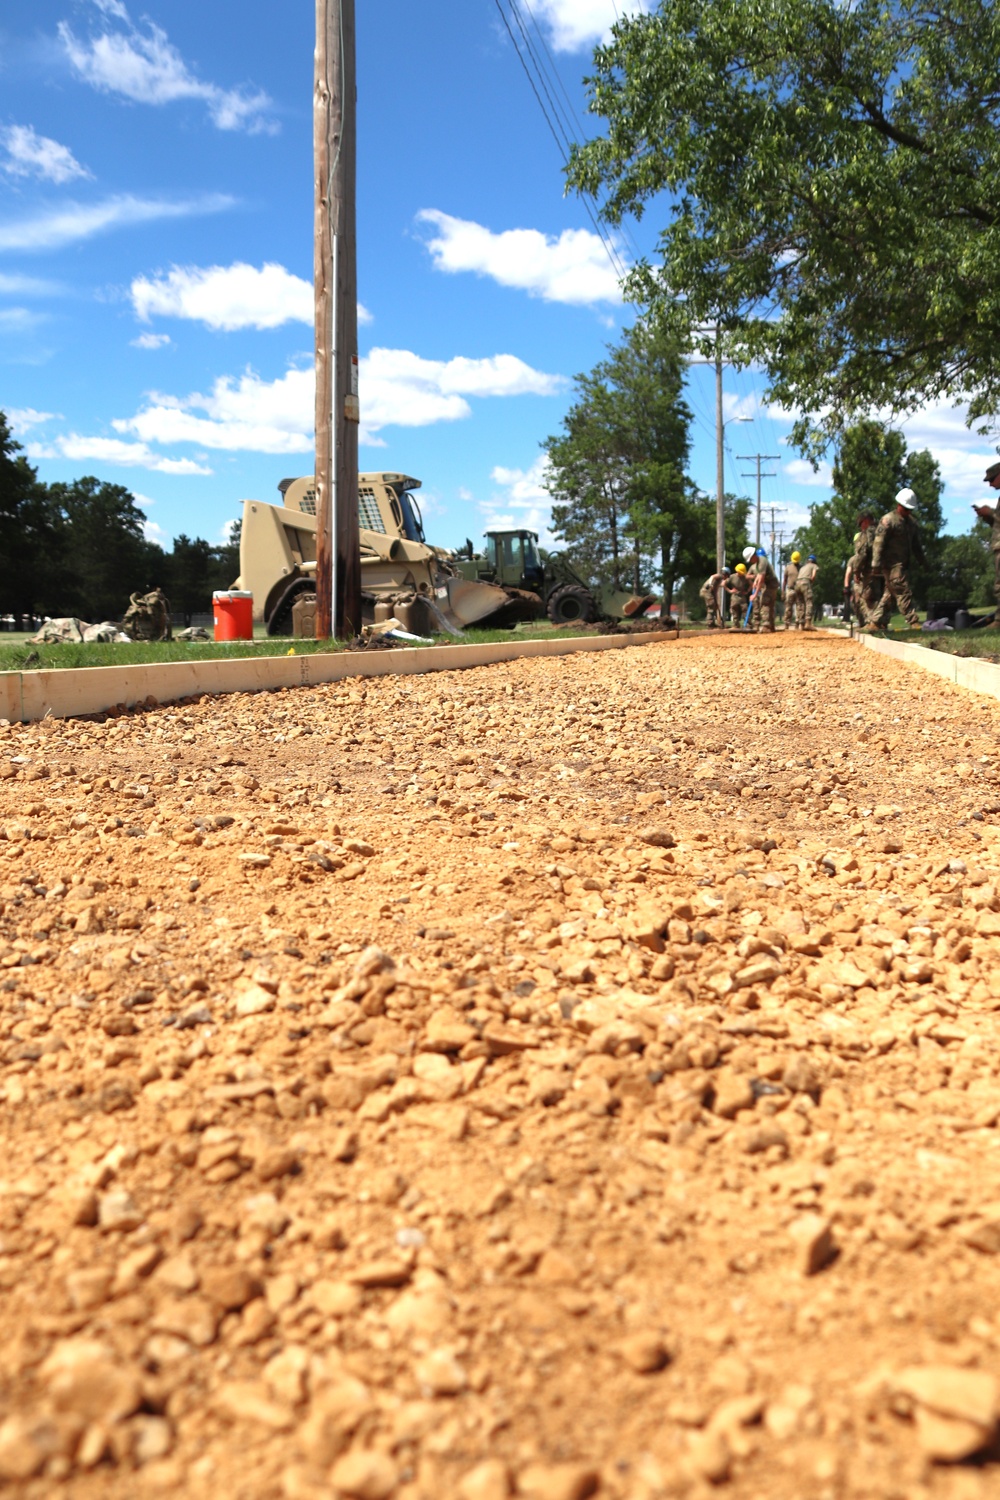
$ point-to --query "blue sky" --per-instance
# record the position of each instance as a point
(156, 258)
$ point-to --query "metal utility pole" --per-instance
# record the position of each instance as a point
(758, 459)
(720, 468)
(338, 549)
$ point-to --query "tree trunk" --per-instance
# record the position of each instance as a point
(613, 521)
(667, 571)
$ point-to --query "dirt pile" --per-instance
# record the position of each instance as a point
(569, 1077)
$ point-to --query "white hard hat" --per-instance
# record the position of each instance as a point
(748, 553)
(907, 499)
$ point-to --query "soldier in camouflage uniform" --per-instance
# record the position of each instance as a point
(765, 592)
(864, 590)
(991, 514)
(793, 599)
(711, 592)
(897, 544)
(807, 577)
(738, 589)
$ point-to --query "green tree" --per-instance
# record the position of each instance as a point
(965, 568)
(616, 472)
(33, 554)
(111, 557)
(830, 176)
(190, 576)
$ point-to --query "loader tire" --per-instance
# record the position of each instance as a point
(571, 603)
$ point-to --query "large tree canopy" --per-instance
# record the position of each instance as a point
(830, 174)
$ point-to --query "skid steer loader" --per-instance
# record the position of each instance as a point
(401, 575)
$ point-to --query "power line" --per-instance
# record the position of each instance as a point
(609, 245)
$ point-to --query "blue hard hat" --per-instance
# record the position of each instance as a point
(761, 552)
(812, 557)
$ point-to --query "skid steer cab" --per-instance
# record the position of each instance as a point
(512, 559)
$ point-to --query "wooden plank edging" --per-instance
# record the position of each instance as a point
(65, 692)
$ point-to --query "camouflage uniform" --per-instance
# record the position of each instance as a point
(709, 591)
(739, 591)
(897, 541)
(767, 594)
(866, 586)
(993, 516)
(807, 577)
(793, 599)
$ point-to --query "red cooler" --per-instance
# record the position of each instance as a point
(233, 611)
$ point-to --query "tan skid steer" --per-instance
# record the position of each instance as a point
(401, 575)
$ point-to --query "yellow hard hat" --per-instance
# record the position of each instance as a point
(857, 537)
(796, 557)
(741, 567)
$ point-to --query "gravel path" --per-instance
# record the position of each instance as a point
(560, 1078)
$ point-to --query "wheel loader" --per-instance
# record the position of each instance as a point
(401, 575)
(512, 559)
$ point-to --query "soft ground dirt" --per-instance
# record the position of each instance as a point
(566, 1077)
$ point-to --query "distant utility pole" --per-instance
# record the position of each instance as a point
(338, 548)
(758, 459)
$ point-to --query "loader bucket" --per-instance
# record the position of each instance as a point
(468, 603)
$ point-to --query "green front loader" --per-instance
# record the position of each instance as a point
(512, 559)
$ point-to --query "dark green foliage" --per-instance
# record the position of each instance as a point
(33, 548)
(617, 469)
(828, 177)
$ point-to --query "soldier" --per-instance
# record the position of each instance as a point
(897, 543)
(790, 589)
(711, 592)
(866, 586)
(992, 515)
(807, 578)
(738, 589)
(765, 592)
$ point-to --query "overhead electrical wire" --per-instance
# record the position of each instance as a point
(528, 60)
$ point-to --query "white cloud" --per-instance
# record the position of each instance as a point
(226, 530)
(800, 471)
(114, 451)
(155, 533)
(112, 8)
(27, 286)
(143, 501)
(55, 227)
(33, 155)
(573, 267)
(225, 297)
(146, 68)
(19, 319)
(23, 418)
(398, 388)
(576, 24)
(151, 341)
(520, 500)
(229, 297)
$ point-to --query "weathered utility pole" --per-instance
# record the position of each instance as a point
(720, 465)
(338, 551)
(758, 458)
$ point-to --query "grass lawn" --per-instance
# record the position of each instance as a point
(19, 654)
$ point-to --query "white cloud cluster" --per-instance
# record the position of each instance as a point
(801, 471)
(576, 24)
(114, 451)
(71, 222)
(151, 341)
(145, 67)
(27, 286)
(573, 267)
(225, 297)
(520, 499)
(398, 388)
(32, 155)
(23, 418)
(228, 297)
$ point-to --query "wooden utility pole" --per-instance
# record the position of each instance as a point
(720, 465)
(338, 551)
(758, 459)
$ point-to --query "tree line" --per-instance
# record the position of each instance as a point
(79, 549)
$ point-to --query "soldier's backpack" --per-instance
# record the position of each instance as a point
(148, 617)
